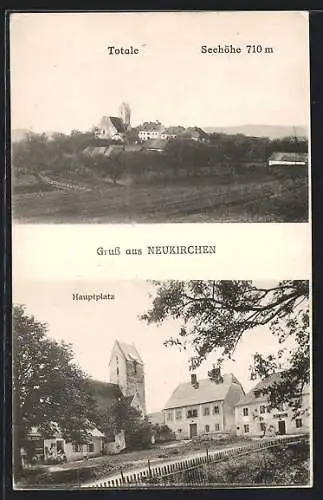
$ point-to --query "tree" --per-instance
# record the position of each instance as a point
(215, 314)
(163, 433)
(122, 416)
(47, 386)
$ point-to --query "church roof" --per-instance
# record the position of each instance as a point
(130, 352)
(205, 391)
(116, 122)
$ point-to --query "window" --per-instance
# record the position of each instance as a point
(246, 428)
(245, 412)
(169, 415)
(117, 371)
(206, 411)
(207, 428)
(77, 448)
(91, 447)
(257, 394)
(135, 367)
(262, 427)
(178, 414)
(299, 423)
(217, 427)
(179, 430)
(262, 409)
(191, 413)
(215, 410)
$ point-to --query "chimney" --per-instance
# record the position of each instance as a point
(193, 379)
(215, 375)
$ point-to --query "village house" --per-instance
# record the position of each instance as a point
(111, 127)
(157, 131)
(56, 449)
(253, 417)
(151, 132)
(196, 134)
(288, 159)
(203, 406)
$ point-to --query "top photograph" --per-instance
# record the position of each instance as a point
(159, 117)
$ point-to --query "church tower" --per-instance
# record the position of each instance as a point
(127, 370)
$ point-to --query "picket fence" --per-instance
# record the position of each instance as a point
(194, 469)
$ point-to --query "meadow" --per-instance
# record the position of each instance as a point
(235, 194)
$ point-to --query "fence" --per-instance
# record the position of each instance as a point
(190, 471)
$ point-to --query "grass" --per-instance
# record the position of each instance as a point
(267, 196)
(283, 465)
(71, 474)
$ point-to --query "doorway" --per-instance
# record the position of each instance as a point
(281, 427)
(193, 430)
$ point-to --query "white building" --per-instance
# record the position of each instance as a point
(288, 159)
(254, 417)
(203, 406)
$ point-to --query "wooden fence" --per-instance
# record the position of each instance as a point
(190, 471)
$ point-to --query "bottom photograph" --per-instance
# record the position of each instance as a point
(168, 384)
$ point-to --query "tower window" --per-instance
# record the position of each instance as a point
(117, 370)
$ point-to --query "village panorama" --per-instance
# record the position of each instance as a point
(72, 430)
(116, 172)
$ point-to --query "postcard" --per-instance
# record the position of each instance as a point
(161, 262)
(160, 117)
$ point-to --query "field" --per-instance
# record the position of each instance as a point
(246, 195)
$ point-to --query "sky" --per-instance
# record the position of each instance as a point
(92, 327)
(63, 78)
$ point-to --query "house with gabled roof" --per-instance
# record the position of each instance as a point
(254, 417)
(56, 449)
(127, 371)
(196, 134)
(111, 127)
(204, 406)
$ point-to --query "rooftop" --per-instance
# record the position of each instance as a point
(204, 392)
(116, 122)
(250, 397)
(130, 352)
(291, 157)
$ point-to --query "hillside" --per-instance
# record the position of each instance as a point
(271, 131)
